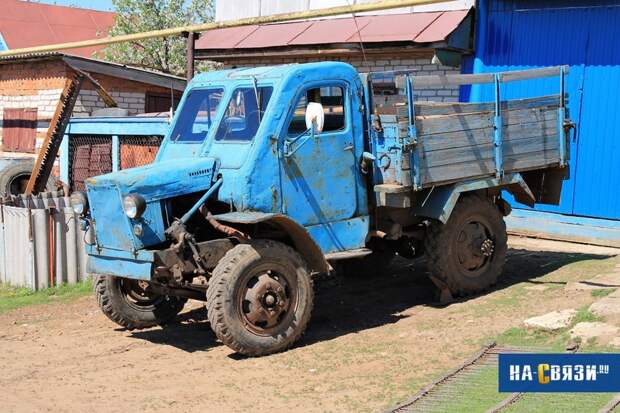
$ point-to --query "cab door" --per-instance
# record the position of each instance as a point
(318, 173)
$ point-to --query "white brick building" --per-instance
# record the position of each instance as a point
(30, 89)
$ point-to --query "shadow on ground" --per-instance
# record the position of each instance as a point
(347, 304)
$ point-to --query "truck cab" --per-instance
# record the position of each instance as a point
(269, 175)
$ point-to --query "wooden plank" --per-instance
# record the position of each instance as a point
(451, 80)
(472, 170)
(443, 108)
(487, 151)
(532, 73)
(455, 123)
(456, 80)
(468, 138)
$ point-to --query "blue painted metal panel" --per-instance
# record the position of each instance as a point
(564, 227)
(110, 262)
(341, 235)
(153, 182)
(326, 162)
(518, 34)
(597, 174)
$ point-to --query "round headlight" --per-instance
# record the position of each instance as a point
(79, 202)
(134, 206)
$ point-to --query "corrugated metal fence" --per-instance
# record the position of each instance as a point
(41, 243)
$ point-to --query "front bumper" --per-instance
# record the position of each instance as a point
(125, 264)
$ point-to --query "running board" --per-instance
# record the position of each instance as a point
(343, 255)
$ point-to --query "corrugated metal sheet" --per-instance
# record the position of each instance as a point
(41, 243)
(410, 27)
(524, 34)
(26, 24)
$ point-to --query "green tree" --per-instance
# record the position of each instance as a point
(166, 54)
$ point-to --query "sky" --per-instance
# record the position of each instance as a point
(105, 5)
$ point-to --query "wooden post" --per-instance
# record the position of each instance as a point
(191, 42)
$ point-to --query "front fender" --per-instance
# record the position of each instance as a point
(300, 237)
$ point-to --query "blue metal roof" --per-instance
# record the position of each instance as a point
(265, 72)
(518, 34)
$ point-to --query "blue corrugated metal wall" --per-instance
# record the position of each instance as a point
(516, 34)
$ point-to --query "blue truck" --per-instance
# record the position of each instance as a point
(270, 175)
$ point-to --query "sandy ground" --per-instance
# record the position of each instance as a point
(370, 344)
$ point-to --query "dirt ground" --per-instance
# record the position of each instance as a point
(370, 344)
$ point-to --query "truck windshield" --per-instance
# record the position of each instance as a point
(244, 114)
(197, 115)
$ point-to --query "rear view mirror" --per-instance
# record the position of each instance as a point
(315, 117)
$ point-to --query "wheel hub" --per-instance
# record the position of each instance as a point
(487, 248)
(265, 301)
(474, 246)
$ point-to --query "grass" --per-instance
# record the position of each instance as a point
(602, 293)
(14, 297)
(553, 341)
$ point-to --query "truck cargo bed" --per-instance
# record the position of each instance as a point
(450, 142)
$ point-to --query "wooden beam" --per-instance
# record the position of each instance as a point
(47, 154)
(191, 38)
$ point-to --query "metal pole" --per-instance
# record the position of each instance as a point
(197, 28)
(498, 134)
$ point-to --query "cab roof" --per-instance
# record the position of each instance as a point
(267, 72)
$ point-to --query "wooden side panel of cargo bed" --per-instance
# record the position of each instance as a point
(455, 141)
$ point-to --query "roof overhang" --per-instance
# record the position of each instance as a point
(409, 33)
(105, 68)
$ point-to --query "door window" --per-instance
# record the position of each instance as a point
(332, 99)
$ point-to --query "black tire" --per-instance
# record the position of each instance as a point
(15, 175)
(117, 299)
(260, 298)
(468, 253)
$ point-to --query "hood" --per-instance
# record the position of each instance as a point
(160, 180)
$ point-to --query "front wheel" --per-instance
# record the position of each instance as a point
(467, 254)
(260, 298)
(132, 304)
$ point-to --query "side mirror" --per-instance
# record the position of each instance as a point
(315, 117)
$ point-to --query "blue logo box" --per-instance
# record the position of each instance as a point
(553, 373)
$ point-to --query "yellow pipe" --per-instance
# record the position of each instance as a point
(332, 11)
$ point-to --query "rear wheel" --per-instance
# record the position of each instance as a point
(467, 254)
(260, 298)
(132, 303)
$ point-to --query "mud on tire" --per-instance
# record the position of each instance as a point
(123, 301)
(468, 253)
(260, 298)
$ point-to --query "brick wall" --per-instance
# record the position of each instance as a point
(39, 84)
(419, 65)
(89, 100)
